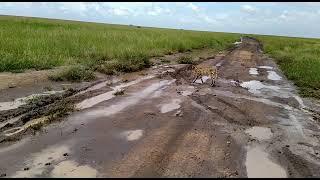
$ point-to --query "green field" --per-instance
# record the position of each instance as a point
(299, 59)
(43, 43)
(38, 43)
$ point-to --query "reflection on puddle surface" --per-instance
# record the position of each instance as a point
(99, 86)
(22, 101)
(254, 86)
(253, 71)
(204, 78)
(173, 105)
(188, 91)
(265, 67)
(133, 134)
(260, 166)
(131, 100)
(87, 103)
(54, 154)
(261, 133)
(37, 161)
(71, 169)
(273, 76)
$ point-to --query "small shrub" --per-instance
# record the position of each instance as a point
(74, 74)
(185, 60)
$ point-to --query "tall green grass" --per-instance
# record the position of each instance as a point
(299, 59)
(44, 43)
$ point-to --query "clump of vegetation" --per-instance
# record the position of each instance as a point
(185, 60)
(119, 92)
(74, 73)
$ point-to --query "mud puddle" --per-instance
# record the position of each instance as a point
(132, 135)
(260, 166)
(255, 86)
(173, 105)
(134, 98)
(272, 75)
(253, 71)
(261, 133)
(87, 103)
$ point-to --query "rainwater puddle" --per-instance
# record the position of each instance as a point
(131, 100)
(265, 67)
(71, 169)
(254, 86)
(204, 78)
(37, 161)
(132, 135)
(253, 71)
(273, 76)
(173, 105)
(260, 166)
(87, 103)
(189, 90)
(261, 133)
(22, 101)
(99, 86)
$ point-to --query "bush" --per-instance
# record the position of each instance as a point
(75, 74)
(185, 60)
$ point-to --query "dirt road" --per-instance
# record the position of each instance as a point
(166, 126)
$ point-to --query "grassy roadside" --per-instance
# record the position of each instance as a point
(37, 43)
(299, 59)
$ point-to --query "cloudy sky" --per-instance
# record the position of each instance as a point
(301, 19)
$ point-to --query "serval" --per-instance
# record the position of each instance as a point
(210, 71)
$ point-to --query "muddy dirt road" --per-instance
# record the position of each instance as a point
(165, 126)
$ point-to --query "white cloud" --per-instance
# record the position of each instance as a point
(193, 7)
(73, 7)
(158, 11)
(120, 11)
(222, 16)
(248, 8)
(207, 19)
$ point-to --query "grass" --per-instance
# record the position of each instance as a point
(38, 43)
(299, 59)
(76, 73)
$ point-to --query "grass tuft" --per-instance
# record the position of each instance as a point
(74, 74)
(185, 60)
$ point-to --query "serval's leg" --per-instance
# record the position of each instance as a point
(212, 83)
(195, 79)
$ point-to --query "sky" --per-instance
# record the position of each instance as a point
(298, 19)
